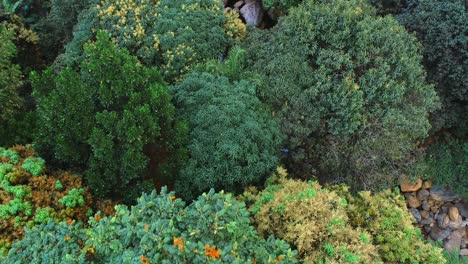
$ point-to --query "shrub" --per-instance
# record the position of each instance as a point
(446, 163)
(161, 229)
(171, 34)
(29, 197)
(313, 219)
(49, 243)
(329, 225)
(441, 28)
(103, 117)
(385, 216)
(280, 4)
(233, 141)
(352, 109)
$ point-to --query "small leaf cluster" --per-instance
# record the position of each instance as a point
(74, 198)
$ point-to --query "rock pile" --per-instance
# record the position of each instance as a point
(441, 214)
(251, 11)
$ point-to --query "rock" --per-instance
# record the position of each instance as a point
(426, 206)
(238, 4)
(462, 208)
(443, 221)
(453, 214)
(427, 185)
(227, 9)
(424, 214)
(427, 221)
(439, 234)
(416, 214)
(434, 209)
(408, 186)
(439, 193)
(252, 13)
(454, 241)
(464, 252)
(422, 194)
(427, 229)
(413, 202)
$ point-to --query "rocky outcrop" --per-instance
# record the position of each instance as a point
(441, 214)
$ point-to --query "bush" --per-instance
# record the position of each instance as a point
(29, 196)
(233, 141)
(329, 225)
(385, 216)
(441, 28)
(104, 117)
(313, 219)
(161, 229)
(49, 243)
(351, 107)
(171, 34)
(446, 163)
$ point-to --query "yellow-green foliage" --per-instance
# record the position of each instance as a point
(313, 219)
(385, 216)
(171, 34)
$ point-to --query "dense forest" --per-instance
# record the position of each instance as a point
(234, 131)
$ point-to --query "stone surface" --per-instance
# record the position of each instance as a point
(252, 13)
(416, 214)
(464, 252)
(462, 208)
(422, 194)
(413, 202)
(238, 4)
(440, 193)
(427, 185)
(408, 186)
(439, 234)
(454, 241)
(453, 214)
(426, 206)
(427, 221)
(424, 214)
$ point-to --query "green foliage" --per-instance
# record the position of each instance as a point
(233, 141)
(280, 4)
(441, 28)
(351, 107)
(56, 28)
(9, 154)
(171, 34)
(366, 229)
(103, 117)
(446, 163)
(313, 219)
(58, 185)
(48, 243)
(10, 7)
(159, 229)
(10, 76)
(43, 215)
(385, 216)
(74, 198)
(33, 165)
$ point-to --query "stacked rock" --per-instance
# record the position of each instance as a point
(441, 214)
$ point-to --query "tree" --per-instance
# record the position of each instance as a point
(103, 117)
(233, 141)
(351, 107)
(10, 77)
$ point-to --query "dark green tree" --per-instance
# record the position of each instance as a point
(442, 28)
(233, 141)
(10, 77)
(103, 117)
(352, 108)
